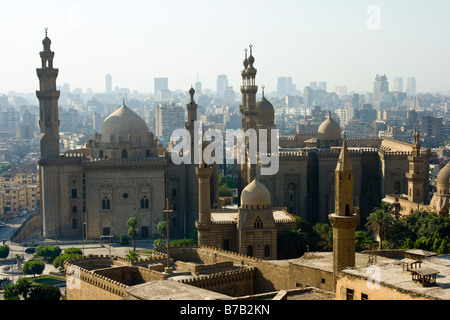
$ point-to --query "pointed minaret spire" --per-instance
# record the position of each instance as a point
(262, 87)
(344, 164)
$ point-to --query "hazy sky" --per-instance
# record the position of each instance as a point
(341, 42)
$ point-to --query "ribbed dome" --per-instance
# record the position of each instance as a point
(443, 177)
(265, 110)
(124, 122)
(329, 129)
(254, 194)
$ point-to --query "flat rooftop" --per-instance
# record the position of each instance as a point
(392, 274)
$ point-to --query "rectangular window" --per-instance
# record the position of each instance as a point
(74, 193)
(349, 294)
(364, 296)
(74, 224)
(106, 231)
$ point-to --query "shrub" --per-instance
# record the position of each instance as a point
(71, 251)
(4, 251)
(48, 252)
(45, 292)
(59, 260)
(123, 241)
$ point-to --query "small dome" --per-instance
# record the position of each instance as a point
(254, 194)
(329, 129)
(265, 110)
(46, 41)
(124, 122)
(443, 177)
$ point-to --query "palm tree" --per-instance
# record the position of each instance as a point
(133, 230)
(325, 234)
(379, 222)
(161, 228)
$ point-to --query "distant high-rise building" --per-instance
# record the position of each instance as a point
(108, 83)
(411, 87)
(284, 86)
(398, 85)
(161, 84)
(340, 90)
(221, 85)
(308, 96)
(313, 85)
(198, 87)
(380, 87)
(322, 86)
(168, 117)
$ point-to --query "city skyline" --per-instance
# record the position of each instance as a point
(338, 42)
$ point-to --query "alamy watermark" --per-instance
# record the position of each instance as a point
(237, 143)
(374, 20)
(74, 280)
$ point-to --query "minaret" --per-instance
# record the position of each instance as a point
(48, 102)
(191, 118)
(346, 215)
(416, 176)
(249, 89)
(203, 224)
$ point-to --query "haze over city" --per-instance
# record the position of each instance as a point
(340, 42)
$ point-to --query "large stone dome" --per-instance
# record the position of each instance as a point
(329, 130)
(255, 194)
(124, 125)
(266, 113)
(443, 177)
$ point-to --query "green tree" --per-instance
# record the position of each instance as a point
(161, 228)
(132, 230)
(48, 252)
(4, 251)
(10, 292)
(23, 286)
(379, 223)
(224, 191)
(324, 232)
(45, 292)
(33, 267)
(362, 240)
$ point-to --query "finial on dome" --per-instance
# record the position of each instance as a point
(123, 102)
(251, 59)
(46, 29)
(263, 90)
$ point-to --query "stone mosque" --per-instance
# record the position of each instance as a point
(125, 172)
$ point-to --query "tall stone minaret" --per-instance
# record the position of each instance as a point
(191, 119)
(346, 215)
(48, 102)
(249, 114)
(249, 89)
(416, 176)
(203, 224)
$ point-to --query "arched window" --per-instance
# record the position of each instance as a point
(266, 250)
(144, 203)
(258, 223)
(74, 209)
(124, 154)
(250, 251)
(106, 203)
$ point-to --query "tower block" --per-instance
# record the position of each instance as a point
(48, 102)
(346, 215)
